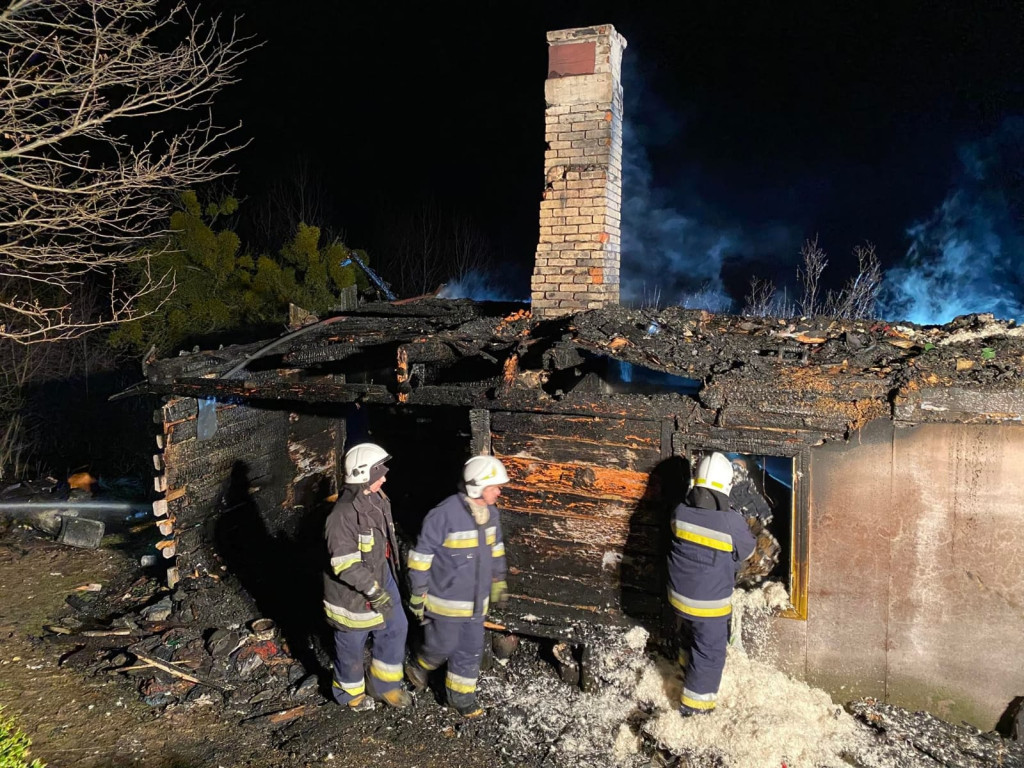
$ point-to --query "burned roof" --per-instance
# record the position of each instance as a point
(825, 377)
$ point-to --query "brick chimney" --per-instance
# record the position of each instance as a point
(577, 264)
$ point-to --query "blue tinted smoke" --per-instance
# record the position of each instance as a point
(968, 256)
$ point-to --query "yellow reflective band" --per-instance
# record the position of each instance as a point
(704, 541)
(353, 689)
(705, 537)
(452, 608)
(342, 562)
(696, 704)
(460, 684)
(365, 542)
(682, 657)
(492, 534)
(416, 599)
(425, 664)
(498, 550)
(701, 608)
(461, 540)
(350, 619)
(389, 673)
(417, 561)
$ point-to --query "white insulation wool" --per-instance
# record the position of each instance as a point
(764, 717)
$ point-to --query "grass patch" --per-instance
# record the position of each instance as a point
(14, 745)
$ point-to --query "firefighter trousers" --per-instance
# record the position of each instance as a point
(460, 642)
(387, 650)
(702, 649)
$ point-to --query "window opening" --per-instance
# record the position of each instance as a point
(769, 491)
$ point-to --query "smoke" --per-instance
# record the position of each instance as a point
(968, 256)
(675, 248)
(479, 286)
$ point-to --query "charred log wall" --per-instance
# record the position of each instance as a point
(585, 519)
(261, 477)
(916, 570)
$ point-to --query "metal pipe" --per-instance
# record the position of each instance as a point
(113, 506)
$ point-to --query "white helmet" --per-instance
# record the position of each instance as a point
(482, 471)
(360, 461)
(714, 472)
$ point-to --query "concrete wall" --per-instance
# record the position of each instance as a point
(916, 583)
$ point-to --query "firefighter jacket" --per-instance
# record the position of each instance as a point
(456, 562)
(362, 548)
(708, 548)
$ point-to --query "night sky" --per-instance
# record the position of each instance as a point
(749, 127)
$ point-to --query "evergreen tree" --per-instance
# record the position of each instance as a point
(219, 287)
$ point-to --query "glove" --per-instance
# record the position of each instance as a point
(380, 601)
(417, 605)
(499, 593)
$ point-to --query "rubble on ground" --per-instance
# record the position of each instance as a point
(623, 711)
(74, 510)
(915, 739)
(246, 667)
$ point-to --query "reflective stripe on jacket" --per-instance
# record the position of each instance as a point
(708, 548)
(455, 561)
(359, 533)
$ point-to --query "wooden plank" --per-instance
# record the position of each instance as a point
(534, 502)
(599, 482)
(546, 560)
(228, 433)
(230, 419)
(569, 544)
(625, 433)
(573, 450)
(259, 457)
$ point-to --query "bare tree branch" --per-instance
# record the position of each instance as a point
(809, 275)
(858, 298)
(89, 149)
(760, 302)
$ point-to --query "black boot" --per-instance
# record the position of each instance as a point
(417, 676)
(465, 704)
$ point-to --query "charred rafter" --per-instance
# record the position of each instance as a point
(813, 378)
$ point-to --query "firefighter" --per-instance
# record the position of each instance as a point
(455, 572)
(710, 541)
(361, 595)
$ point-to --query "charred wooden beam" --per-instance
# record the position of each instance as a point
(593, 481)
(960, 404)
(317, 391)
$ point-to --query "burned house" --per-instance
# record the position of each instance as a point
(882, 460)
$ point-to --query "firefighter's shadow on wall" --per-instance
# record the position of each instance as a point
(643, 572)
(279, 569)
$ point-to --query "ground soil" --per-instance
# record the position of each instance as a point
(81, 717)
(83, 707)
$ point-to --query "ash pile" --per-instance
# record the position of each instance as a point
(542, 718)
